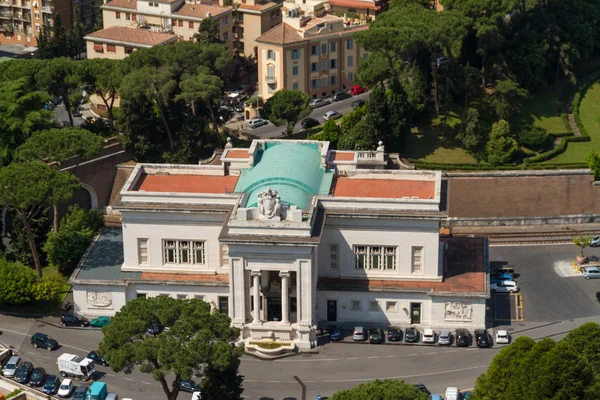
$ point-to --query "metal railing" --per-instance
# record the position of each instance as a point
(47, 9)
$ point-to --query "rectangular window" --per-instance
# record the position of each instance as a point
(350, 61)
(332, 47)
(350, 76)
(128, 50)
(314, 50)
(184, 252)
(324, 48)
(128, 16)
(333, 80)
(349, 44)
(295, 70)
(373, 306)
(141, 295)
(270, 72)
(315, 83)
(134, 17)
(99, 48)
(355, 305)
(182, 296)
(225, 36)
(295, 85)
(118, 15)
(314, 67)
(323, 82)
(270, 55)
(333, 63)
(191, 25)
(333, 256)
(142, 243)
(375, 257)
(224, 305)
(391, 306)
(323, 66)
(199, 297)
(295, 54)
(417, 260)
(181, 23)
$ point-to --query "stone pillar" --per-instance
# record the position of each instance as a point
(256, 294)
(237, 292)
(285, 297)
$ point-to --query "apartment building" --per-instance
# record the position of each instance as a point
(22, 20)
(311, 50)
(118, 42)
(252, 19)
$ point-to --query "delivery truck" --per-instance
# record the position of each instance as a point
(76, 366)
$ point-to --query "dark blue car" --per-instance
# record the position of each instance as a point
(501, 277)
(97, 359)
(334, 333)
(51, 385)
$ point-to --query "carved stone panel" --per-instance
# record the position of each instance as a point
(99, 299)
(457, 311)
(269, 204)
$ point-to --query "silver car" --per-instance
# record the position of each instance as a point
(445, 338)
(591, 273)
(316, 103)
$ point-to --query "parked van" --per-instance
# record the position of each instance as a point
(11, 366)
(97, 391)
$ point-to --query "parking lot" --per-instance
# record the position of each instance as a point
(549, 288)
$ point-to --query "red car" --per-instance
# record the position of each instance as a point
(357, 90)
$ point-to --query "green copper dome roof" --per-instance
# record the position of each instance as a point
(292, 169)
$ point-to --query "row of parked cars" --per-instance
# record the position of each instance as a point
(461, 337)
(502, 280)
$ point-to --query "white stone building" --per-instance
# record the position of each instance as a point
(285, 236)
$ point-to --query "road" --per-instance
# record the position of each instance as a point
(344, 365)
(343, 107)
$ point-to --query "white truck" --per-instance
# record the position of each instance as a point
(76, 366)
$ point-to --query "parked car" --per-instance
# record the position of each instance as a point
(155, 328)
(375, 336)
(591, 273)
(309, 123)
(80, 392)
(428, 336)
(77, 112)
(44, 341)
(504, 287)
(341, 96)
(445, 338)
(358, 103)
(187, 386)
(97, 359)
(359, 333)
(595, 241)
(65, 388)
(394, 334)
(463, 338)
(51, 384)
(239, 107)
(422, 388)
(501, 277)
(502, 337)
(257, 123)
(334, 333)
(411, 335)
(358, 90)
(330, 115)
(100, 322)
(72, 320)
(503, 270)
(112, 396)
(316, 103)
(23, 372)
(38, 376)
(483, 338)
(11, 366)
(452, 393)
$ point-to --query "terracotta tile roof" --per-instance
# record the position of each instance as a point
(259, 7)
(132, 35)
(237, 154)
(131, 4)
(354, 4)
(464, 272)
(341, 156)
(281, 34)
(200, 10)
(220, 279)
(383, 188)
(187, 183)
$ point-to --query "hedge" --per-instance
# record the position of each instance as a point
(557, 150)
(579, 92)
(565, 120)
(484, 167)
(13, 393)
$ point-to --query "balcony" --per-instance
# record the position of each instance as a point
(270, 79)
(4, 3)
(48, 9)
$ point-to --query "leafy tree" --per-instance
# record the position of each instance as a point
(75, 34)
(65, 247)
(43, 43)
(58, 42)
(507, 97)
(47, 288)
(534, 137)
(26, 190)
(331, 132)
(593, 162)
(61, 77)
(17, 282)
(350, 120)
(400, 114)
(287, 107)
(381, 390)
(472, 135)
(356, 139)
(501, 147)
(103, 77)
(586, 341)
(21, 113)
(20, 249)
(376, 119)
(582, 242)
(208, 32)
(197, 344)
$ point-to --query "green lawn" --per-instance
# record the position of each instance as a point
(544, 109)
(589, 112)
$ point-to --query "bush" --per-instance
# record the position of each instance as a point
(565, 120)
(533, 137)
(17, 282)
(47, 288)
(577, 97)
(557, 150)
(13, 393)
(355, 139)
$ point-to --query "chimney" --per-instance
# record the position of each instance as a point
(207, 15)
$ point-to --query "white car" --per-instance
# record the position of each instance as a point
(331, 115)
(595, 242)
(65, 388)
(452, 393)
(445, 338)
(504, 287)
(196, 396)
(591, 273)
(502, 337)
(316, 103)
(428, 336)
(359, 333)
(256, 123)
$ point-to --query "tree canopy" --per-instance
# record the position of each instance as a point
(381, 390)
(287, 107)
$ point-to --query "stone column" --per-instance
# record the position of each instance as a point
(256, 294)
(285, 297)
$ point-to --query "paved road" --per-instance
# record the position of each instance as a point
(61, 115)
(343, 107)
(554, 300)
